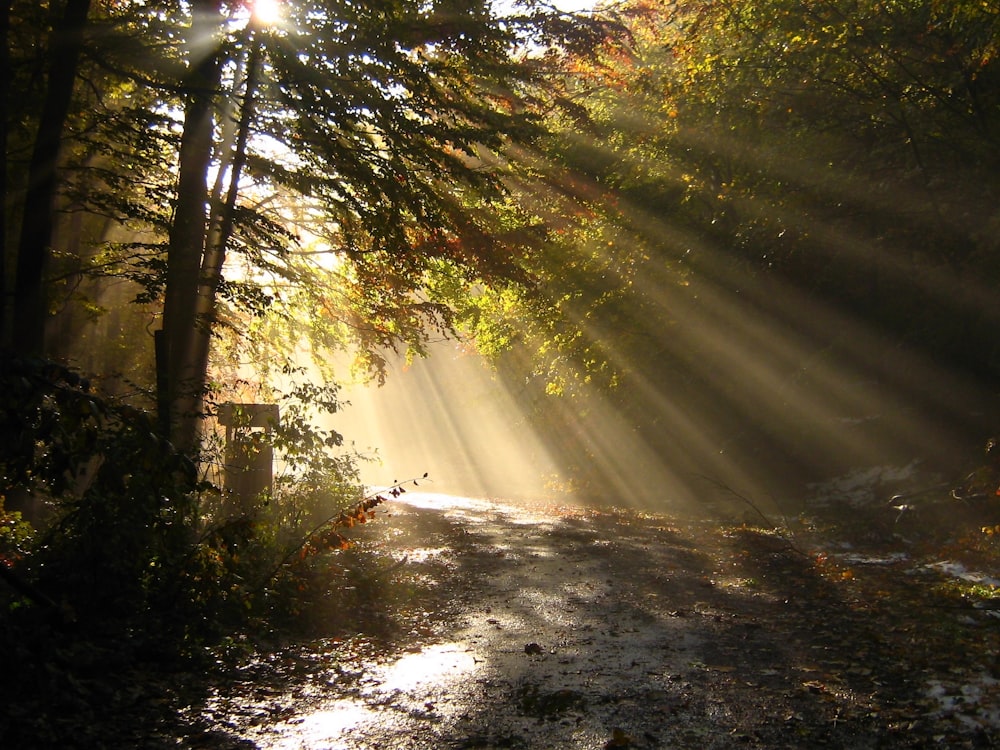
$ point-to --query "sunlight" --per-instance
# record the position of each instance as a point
(445, 662)
(326, 725)
(267, 12)
(446, 415)
(470, 512)
(771, 390)
(765, 387)
(440, 666)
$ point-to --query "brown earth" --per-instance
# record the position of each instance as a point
(515, 626)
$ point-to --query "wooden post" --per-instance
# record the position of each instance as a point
(249, 462)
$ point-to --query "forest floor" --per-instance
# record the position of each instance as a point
(502, 625)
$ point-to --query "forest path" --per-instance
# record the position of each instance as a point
(521, 626)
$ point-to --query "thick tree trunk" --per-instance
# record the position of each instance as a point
(34, 248)
(177, 365)
(223, 218)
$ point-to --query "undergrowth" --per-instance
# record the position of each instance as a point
(110, 537)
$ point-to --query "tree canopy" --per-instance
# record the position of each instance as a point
(774, 214)
(366, 134)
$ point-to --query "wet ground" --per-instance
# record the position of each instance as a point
(515, 626)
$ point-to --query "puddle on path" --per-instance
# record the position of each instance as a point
(397, 693)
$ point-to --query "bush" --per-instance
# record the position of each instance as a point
(120, 500)
(134, 538)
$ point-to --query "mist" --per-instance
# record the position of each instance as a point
(446, 415)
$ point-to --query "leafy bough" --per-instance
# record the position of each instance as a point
(326, 535)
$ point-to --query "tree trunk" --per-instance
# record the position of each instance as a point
(221, 226)
(181, 393)
(34, 248)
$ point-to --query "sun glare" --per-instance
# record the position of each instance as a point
(267, 12)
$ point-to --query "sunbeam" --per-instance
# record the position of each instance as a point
(759, 386)
(449, 417)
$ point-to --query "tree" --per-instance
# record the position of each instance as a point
(33, 251)
(5, 76)
(179, 396)
(830, 146)
(853, 132)
(384, 114)
(739, 164)
(378, 121)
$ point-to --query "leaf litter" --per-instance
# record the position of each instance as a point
(614, 628)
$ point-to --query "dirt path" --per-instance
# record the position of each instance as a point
(534, 627)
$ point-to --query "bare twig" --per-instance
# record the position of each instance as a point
(767, 521)
(743, 498)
